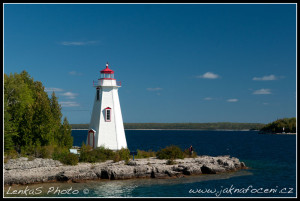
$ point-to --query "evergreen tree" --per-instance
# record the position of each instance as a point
(42, 118)
(56, 117)
(18, 98)
(32, 120)
(9, 131)
(67, 139)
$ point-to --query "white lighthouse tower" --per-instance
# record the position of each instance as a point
(106, 126)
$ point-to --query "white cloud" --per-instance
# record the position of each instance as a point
(69, 104)
(208, 98)
(232, 100)
(78, 43)
(154, 89)
(74, 73)
(53, 89)
(208, 75)
(69, 95)
(265, 78)
(262, 91)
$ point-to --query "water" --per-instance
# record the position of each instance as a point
(271, 158)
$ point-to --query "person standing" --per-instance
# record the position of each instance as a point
(191, 150)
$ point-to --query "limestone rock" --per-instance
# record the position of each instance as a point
(23, 163)
(22, 171)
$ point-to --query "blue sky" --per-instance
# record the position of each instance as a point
(177, 63)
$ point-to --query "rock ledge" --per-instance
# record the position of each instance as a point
(22, 171)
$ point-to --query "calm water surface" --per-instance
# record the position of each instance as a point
(271, 158)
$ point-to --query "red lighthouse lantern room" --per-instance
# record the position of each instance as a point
(107, 73)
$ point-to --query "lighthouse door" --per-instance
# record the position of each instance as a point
(91, 138)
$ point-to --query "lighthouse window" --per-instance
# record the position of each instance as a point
(107, 115)
(97, 94)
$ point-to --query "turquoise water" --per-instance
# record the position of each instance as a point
(271, 158)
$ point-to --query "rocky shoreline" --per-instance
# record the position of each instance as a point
(21, 171)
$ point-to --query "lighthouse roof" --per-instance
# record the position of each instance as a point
(107, 70)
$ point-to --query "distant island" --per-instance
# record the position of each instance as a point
(195, 126)
(281, 126)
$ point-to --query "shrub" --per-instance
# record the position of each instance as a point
(46, 151)
(99, 154)
(171, 162)
(103, 154)
(38, 151)
(70, 159)
(122, 154)
(11, 154)
(170, 152)
(59, 153)
(27, 150)
(187, 154)
(86, 154)
(116, 158)
(31, 158)
(145, 154)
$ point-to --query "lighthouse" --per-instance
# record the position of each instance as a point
(106, 126)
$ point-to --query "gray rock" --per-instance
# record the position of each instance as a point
(123, 172)
(205, 169)
(22, 171)
(194, 170)
(132, 163)
(143, 171)
(23, 163)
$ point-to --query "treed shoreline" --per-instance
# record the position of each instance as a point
(184, 126)
(280, 126)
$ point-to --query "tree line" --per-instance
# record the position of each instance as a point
(289, 125)
(202, 126)
(32, 120)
